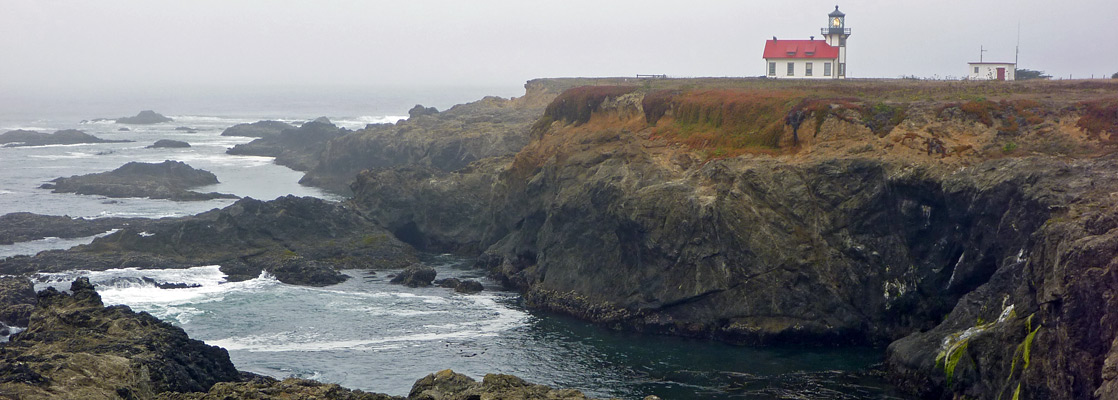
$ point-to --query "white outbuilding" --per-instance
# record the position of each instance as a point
(989, 71)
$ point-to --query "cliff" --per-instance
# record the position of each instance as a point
(970, 226)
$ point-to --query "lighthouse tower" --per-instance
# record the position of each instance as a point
(836, 33)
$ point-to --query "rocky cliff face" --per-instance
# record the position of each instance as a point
(297, 148)
(977, 237)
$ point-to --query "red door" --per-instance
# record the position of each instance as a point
(1001, 74)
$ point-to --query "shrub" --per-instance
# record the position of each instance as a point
(882, 118)
(577, 104)
(656, 104)
(1099, 116)
(980, 109)
(725, 122)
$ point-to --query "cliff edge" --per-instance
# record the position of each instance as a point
(970, 226)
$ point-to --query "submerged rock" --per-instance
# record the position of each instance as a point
(145, 117)
(31, 138)
(166, 180)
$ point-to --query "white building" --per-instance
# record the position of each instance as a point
(810, 59)
(988, 71)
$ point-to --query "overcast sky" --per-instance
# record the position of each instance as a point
(497, 42)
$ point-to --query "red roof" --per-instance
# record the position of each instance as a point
(800, 49)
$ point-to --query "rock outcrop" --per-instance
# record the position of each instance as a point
(299, 240)
(19, 138)
(17, 300)
(166, 180)
(978, 237)
(146, 117)
(468, 286)
(259, 387)
(415, 276)
(257, 129)
(298, 148)
(443, 141)
(168, 143)
(24, 226)
(448, 385)
(74, 347)
(419, 110)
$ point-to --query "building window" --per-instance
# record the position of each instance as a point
(976, 70)
(807, 69)
(791, 69)
(826, 69)
(772, 69)
(842, 69)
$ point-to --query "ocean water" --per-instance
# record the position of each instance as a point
(364, 333)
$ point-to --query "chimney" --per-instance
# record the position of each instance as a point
(813, 38)
(774, 37)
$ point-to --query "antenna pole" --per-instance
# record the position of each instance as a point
(1017, 50)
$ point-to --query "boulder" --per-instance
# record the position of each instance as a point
(449, 283)
(166, 180)
(146, 117)
(69, 136)
(415, 276)
(469, 286)
(257, 129)
(168, 143)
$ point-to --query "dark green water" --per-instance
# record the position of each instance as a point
(371, 335)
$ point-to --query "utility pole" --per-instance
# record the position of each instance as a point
(981, 52)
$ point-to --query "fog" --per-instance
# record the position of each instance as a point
(139, 45)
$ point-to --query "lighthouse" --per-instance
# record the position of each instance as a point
(836, 33)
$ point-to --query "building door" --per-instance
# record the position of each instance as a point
(1001, 74)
